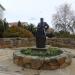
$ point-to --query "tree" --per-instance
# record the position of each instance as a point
(64, 18)
(19, 24)
(31, 28)
(73, 27)
(6, 25)
(1, 28)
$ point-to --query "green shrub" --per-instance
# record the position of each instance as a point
(16, 31)
(54, 51)
(62, 34)
(49, 53)
(26, 52)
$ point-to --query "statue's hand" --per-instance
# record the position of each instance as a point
(46, 26)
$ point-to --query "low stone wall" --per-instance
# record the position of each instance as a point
(26, 42)
(47, 63)
(62, 42)
(16, 42)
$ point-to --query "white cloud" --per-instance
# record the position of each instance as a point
(25, 9)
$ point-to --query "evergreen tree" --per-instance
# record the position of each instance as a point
(19, 24)
(32, 29)
(6, 25)
(1, 28)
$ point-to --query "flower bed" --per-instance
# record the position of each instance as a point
(50, 52)
(55, 59)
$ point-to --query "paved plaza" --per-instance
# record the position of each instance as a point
(7, 67)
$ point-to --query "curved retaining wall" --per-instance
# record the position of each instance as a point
(47, 63)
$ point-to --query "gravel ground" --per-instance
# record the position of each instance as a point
(7, 67)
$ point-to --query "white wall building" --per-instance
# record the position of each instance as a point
(2, 9)
(16, 23)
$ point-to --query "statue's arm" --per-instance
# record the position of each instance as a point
(38, 26)
(46, 26)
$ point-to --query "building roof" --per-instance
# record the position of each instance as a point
(2, 7)
(15, 23)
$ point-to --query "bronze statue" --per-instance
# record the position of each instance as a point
(41, 34)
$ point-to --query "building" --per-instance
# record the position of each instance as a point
(2, 9)
(16, 23)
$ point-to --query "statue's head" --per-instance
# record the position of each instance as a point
(41, 20)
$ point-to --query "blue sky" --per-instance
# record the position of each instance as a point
(32, 10)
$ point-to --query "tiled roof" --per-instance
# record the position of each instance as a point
(15, 23)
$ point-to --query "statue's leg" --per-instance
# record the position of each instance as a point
(43, 42)
(37, 42)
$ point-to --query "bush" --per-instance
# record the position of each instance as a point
(50, 35)
(54, 51)
(62, 34)
(16, 31)
(49, 53)
(31, 28)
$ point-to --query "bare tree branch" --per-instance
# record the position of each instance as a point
(64, 18)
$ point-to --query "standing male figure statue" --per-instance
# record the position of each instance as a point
(41, 34)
